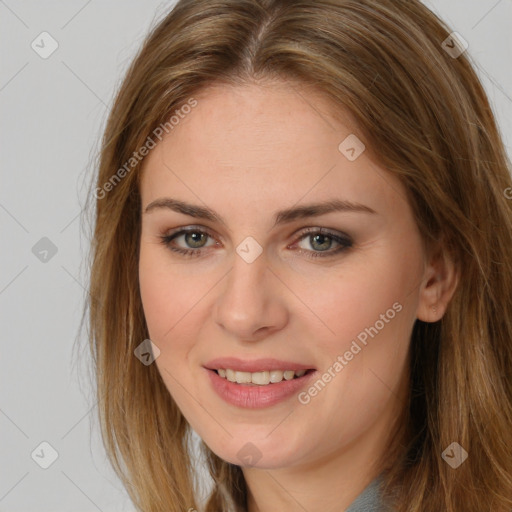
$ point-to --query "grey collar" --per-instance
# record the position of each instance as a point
(368, 500)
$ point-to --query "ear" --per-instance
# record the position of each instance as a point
(440, 281)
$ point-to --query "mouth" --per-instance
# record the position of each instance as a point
(260, 378)
(257, 384)
(258, 372)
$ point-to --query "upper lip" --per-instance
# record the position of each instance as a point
(255, 365)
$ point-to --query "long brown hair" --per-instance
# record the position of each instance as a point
(424, 114)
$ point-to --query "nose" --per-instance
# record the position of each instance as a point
(251, 303)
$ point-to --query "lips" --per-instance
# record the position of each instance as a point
(255, 365)
(249, 396)
(263, 394)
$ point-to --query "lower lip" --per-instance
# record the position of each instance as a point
(255, 396)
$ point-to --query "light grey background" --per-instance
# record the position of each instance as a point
(53, 111)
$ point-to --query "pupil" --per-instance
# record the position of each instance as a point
(194, 236)
(322, 237)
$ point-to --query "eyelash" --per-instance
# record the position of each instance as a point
(344, 241)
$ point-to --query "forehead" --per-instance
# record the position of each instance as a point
(281, 116)
(276, 138)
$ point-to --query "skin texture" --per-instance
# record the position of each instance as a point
(247, 152)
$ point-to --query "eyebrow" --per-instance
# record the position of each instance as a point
(281, 217)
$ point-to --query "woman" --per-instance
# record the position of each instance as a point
(302, 254)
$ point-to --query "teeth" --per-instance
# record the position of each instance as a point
(289, 374)
(276, 376)
(260, 378)
(243, 377)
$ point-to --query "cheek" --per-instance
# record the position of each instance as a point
(154, 291)
(167, 306)
(370, 311)
(357, 296)
(173, 298)
(164, 298)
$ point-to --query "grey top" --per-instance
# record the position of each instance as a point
(368, 500)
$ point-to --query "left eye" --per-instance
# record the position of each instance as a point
(323, 242)
(318, 237)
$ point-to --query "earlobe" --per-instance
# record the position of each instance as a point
(437, 288)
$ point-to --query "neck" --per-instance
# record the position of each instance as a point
(331, 482)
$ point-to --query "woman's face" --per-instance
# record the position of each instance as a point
(259, 285)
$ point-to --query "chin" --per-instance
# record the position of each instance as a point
(256, 451)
